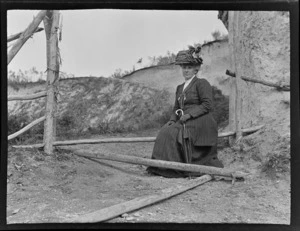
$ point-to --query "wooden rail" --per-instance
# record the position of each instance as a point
(266, 83)
(127, 140)
(25, 35)
(27, 97)
(16, 36)
(27, 127)
(106, 140)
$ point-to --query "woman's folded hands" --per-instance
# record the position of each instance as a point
(184, 118)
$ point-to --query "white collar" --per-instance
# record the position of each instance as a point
(187, 82)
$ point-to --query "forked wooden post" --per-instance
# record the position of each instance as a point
(25, 35)
(51, 22)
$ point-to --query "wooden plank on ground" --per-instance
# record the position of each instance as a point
(138, 203)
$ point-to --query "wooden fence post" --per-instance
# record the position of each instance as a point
(232, 95)
(237, 64)
(51, 22)
(235, 83)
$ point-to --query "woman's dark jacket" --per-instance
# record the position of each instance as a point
(198, 103)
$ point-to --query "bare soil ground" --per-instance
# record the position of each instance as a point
(57, 188)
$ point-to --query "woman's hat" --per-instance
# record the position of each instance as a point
(190, 56)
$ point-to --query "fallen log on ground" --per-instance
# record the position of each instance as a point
(140, 202)
(163, 164)
(126, 139)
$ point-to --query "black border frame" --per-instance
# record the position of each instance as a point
(272, 5)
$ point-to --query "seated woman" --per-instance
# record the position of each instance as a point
(194, 97)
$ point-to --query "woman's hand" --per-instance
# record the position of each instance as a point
(171, 122)
(185, 118)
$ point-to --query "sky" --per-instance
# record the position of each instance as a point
(100, 41)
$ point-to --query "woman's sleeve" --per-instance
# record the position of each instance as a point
(204, 91)
(176, 106)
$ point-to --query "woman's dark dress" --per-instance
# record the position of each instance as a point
(202, 129)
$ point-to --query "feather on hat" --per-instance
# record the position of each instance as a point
(190, 56)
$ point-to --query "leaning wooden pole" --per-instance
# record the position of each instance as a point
(162, 164)
(138, 203)
(51, 22)
(25, 35)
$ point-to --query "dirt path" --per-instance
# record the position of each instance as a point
(57, 188)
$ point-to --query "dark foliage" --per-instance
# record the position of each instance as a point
(221, 107)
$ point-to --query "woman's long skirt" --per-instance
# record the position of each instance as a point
(168, 146)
